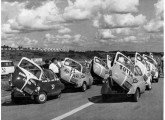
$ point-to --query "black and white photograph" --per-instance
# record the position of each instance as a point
(82, 59)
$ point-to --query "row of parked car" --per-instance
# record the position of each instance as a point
(118, 74)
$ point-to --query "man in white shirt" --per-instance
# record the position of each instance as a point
(54, 66)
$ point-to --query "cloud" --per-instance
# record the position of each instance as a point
(159, 9)
(122, 31)
(130, 38)
(156, 24)
(105, 34)
(15, 41)
(44, 17)
(123, 20)
(64, 30)
(89, 9)
(122, 6)
(64, 39)
(48, 16)
(27, 42)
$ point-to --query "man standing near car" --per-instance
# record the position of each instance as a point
(46, 65)
(54, 66)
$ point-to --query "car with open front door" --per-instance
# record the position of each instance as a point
(31, 81)
(75, 75)
(145, 67)
(99, 69)
(126, 79)
(154, 67)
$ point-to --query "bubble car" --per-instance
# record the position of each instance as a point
(31, 81)
(145, 68)
(99, 69)
(126, 79)
(154, 67)
(75, 75)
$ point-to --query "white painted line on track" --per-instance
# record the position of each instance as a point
(73, 111)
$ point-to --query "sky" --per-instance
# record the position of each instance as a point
(106, 25)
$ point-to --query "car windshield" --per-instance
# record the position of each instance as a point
(31, 68)
(72, 64)
(139, 57)
(125, 61)
(97, 60)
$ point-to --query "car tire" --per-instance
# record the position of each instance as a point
(84, 87)
(136, 96)
(41, 98)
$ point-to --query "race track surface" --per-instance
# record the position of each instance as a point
(75, 105)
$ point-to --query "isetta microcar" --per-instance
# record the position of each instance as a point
(30, 80)
(75, 75)
(99, 69)
(145, 68)
(154, 67)
(125, 79)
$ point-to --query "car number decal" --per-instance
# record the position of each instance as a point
(126, 70)
(53, 86)
(3, 70)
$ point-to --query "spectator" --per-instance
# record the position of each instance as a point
(46, 65)
(54, 66)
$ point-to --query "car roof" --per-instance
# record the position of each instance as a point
(6, 61)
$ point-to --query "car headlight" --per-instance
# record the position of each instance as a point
(18, 78)
(135, 80)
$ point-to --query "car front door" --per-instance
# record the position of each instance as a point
(122, 71)
(99, 67)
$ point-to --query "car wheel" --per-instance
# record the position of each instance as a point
(84, 87)
(136, 96)
(41, 98)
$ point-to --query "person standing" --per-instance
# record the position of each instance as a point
(46, 65)
(54, 66)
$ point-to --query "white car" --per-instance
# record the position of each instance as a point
(154, 69)
(7, 67)
(126, 79)
(73, 74)
(145, 68)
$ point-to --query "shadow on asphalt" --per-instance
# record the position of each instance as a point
(23, 102)
(71, 90)
(111, 99)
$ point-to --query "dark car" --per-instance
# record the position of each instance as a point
(30, 80)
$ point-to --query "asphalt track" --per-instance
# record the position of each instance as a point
(75, 105)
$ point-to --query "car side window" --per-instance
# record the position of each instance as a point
(125, 61)
(72, 64)
(100, 62)
(31, 68)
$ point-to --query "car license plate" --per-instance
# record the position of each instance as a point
(28, 90)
